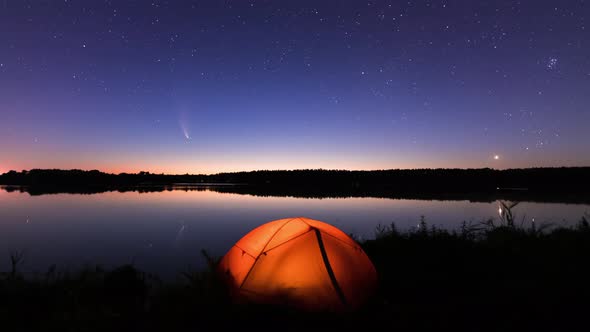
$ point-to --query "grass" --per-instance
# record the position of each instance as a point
(492, 276)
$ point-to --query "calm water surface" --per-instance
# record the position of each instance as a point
(164, 232)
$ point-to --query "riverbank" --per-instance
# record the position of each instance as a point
(485, 277)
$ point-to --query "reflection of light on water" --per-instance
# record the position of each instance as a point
(162, 212)
(179, 234)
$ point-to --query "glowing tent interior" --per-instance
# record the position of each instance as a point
(301, 262)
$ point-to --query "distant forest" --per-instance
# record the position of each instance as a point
(546, 184)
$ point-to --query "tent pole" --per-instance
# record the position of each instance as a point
(329, 267)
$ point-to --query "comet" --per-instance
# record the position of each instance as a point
(184, 129)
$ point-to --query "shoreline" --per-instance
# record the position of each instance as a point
(428, 278)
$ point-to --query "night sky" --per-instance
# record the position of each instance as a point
(211, 86)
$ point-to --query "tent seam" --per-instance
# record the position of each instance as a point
(350, 245)
(258, 256)
(275, 234)
(242, 249)
(327, 233)
(291, 239)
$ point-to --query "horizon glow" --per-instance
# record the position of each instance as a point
(214, 86)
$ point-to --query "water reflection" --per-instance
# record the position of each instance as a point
(512, 194)
(164, 231)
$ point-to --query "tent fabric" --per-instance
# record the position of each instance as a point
(302, 262)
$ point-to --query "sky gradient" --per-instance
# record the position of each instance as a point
(213, 86)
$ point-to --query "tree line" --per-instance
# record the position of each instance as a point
(564, 179)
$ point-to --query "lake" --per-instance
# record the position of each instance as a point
(163, 232)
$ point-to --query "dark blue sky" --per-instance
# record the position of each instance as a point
(207, 86)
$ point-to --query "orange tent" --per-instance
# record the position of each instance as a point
(300, 262)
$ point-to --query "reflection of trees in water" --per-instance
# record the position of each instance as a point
(321, 193)
(506, 214)
(565, 185)
(507, 218)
